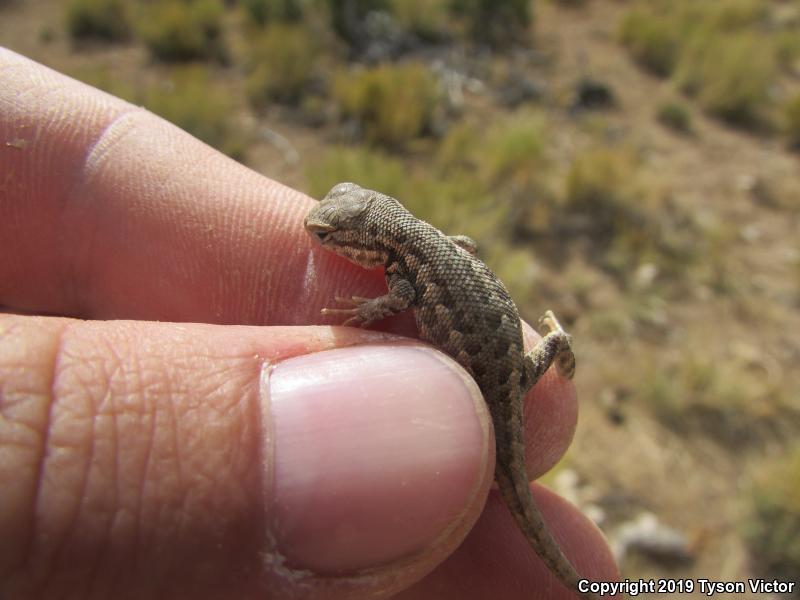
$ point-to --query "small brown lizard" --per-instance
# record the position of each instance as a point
(462, 308)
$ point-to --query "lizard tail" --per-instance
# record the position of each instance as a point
(517, 495)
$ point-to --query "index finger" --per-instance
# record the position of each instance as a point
(110, 211)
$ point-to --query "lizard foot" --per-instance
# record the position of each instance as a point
(565, 358)
(363, 311)
(549, 321)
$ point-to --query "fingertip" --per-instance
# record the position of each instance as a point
(581, 540)
(495, 561)
(551, 416)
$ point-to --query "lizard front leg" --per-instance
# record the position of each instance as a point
(554, 347)
(366, 310)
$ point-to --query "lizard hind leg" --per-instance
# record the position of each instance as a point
(554, 347)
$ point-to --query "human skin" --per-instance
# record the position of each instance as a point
(177, 420)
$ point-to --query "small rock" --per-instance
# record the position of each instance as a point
(520, 91)
(646, 274)
(746, 182)
(648, 536)
(591, 94)
(751, 233)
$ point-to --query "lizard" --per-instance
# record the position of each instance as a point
(463, 309)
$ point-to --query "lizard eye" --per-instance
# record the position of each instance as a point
(321, 231)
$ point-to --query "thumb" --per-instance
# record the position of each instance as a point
(199, 461)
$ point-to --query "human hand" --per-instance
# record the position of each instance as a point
(181, 454)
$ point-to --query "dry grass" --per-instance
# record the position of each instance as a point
(281, 64)
(773, 527)
(392, 104)
(107, 20)
(192, 100)
(180, 31)
(792, 117)
(716, 52)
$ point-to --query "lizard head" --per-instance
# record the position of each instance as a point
(339, 215)
(340, 223)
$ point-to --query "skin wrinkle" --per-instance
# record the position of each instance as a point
(96, 560)
(74, 278)
(176, 454)
(93, 562)
(116, 413)
(117, 509)
(114, 372)
(83, 489)
(24, 554)
(152, 410)
(138, 522)
(37, 488)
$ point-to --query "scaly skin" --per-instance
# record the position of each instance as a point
(463, 309)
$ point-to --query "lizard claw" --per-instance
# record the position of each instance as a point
(338, 311)
(354, 318)
(352, 300)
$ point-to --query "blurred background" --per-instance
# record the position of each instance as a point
(632, 165)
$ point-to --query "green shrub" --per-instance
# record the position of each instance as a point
(193, 102)
(792, 111)
(281, 63)
(510, 151)
(699, 395)
(98, 19)
(459, 149)
(731, 15)
(262, 12)
(773, 530)
(458, 204)
(497, 23)
(676, 116)
(572, 3)
(365, 167)
(715, 51)
(514, 150)
(393, 104)
(348, 16)
(730, 74)
(598, 183)
(181, 30)
(607, 201)
(652, 39)
(106, 79)
(787, 48)
(428, 19)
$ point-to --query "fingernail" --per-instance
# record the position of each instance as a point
(378, 451)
